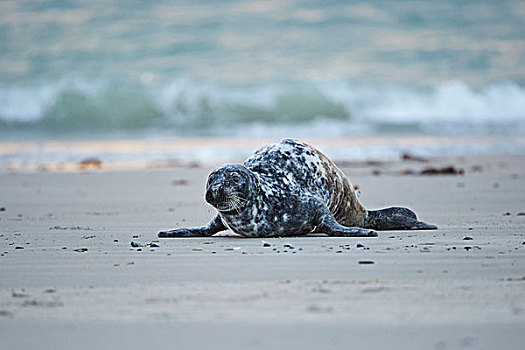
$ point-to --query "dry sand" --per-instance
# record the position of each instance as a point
(425, 290)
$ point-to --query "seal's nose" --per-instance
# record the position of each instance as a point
(213, 193)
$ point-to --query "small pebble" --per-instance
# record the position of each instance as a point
(359, 245)
(135, 244)
(366, 262)
(521, 214)
(468, 248)
(19, 247)
(288, 246)
(467, 238)
(154, 245)
(266, 244)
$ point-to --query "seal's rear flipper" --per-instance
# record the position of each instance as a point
(327, 224)
(395, 218)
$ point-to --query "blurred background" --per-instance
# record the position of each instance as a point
(153, 70)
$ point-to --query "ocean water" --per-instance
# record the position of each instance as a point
(75, 69)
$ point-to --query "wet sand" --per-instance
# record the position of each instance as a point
(424, 289)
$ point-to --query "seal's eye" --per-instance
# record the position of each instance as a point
(236, 178)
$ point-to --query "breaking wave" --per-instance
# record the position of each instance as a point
(326, 108)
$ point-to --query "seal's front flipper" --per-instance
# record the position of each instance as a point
(216, 225)
(327, 224)
(185, 232)
(395, 218)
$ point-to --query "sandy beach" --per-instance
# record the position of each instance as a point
(71, 279)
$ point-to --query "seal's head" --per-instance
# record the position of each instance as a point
(229, 188)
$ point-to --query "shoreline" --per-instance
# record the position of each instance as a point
(156, 153)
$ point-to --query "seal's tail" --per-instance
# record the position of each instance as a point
(394, 218)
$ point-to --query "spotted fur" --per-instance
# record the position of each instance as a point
(290, 172)
(286, 188)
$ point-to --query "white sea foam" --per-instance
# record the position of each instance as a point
(326, 108)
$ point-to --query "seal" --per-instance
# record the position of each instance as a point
(289, 188)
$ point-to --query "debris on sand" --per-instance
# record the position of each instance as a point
(80, 250)
(19, 295)
(93, 163)
(366, 262)
(448, 170)
(407, 156)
